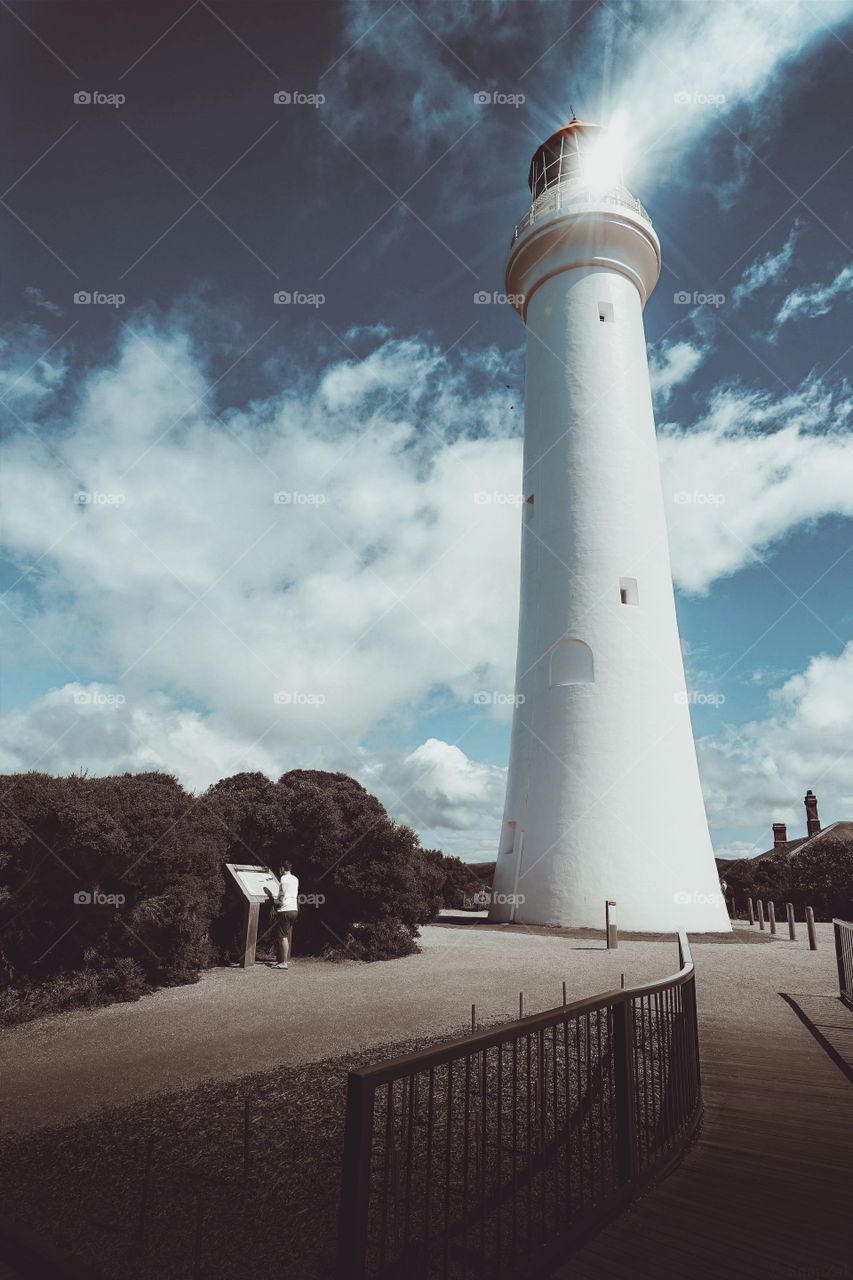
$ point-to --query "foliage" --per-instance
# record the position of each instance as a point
(820, 877)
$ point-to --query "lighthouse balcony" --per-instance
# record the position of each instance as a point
(570, 195)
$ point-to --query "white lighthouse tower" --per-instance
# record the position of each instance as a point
(603, 796)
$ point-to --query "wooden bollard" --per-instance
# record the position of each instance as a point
(622, 981)
(564, 993)
(520, 1004)
(760, 913)
(749, 911)
(771, 915)
(792, 927)
(473, 1017)
(610, 925)
(811, 929)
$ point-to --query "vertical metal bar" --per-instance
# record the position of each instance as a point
(412, 1091)
(622, 1021)
(555, 1111)
(541, 1083)
(447, 1166)
(465, 1139)
(839, 958)
(386, 1166)
(499, 1154)
(481, 1156)
(246, 1137)
(355, 1188)
(428, 1186)
(529, 1140)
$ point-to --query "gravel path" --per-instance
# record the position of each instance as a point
(234, 1021)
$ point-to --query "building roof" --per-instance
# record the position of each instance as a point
(836, 832)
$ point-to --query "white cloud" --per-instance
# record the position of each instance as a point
(766, 766)
(814, 299)
(672, 363)
(749, 472)
(768, 269)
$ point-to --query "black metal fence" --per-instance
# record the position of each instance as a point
(494, 1154)
(844, 958)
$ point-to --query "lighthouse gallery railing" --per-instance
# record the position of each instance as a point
(496, 1153)
(569, 195)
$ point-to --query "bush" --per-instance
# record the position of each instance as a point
(374, 883)
(820, 877)
(114, 880)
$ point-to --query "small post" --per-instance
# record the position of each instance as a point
(792, 927)
(520, 1005)
(622, 981)
(811, 929)
(760, 913)
(610, 925)
(146, 1182)
(771, 914)
(625, 1120)
(749, 911)
(732, 908)
(246, 1136)
(473, 1017)
(564, 992)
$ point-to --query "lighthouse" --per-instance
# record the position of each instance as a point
(603, 796)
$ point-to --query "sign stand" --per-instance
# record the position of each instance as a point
(250, 880)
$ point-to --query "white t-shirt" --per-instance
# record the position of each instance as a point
(288, 899)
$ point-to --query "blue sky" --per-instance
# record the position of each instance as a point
(164, 609)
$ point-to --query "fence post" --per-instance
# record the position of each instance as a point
(732, 908)
(624, 1091)
(355, 1186)
(146, 1183)
(761, 913)
(771, 913)
(473, 1017)
(811, 929)
(792, 927)
(749, 911)
(610, 926)
(845, 985)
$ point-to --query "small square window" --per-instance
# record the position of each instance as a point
(605, 312)
(628, 593)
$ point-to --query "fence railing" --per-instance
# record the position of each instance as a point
(495, 1153)
(844, 958)
(570, 195)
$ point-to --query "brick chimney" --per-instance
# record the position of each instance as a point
(812, 820)
(780, 834)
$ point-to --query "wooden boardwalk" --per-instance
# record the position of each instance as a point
(767, 1188)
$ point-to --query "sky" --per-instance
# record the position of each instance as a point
(261, 444)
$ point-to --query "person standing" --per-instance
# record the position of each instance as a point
(286, 912)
